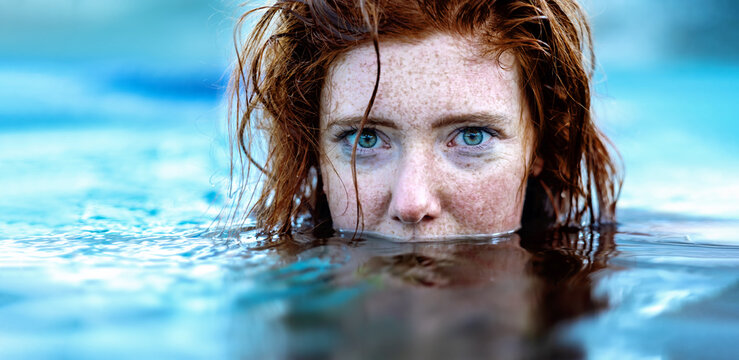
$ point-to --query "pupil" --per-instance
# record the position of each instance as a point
(367, 139)
(472, 136)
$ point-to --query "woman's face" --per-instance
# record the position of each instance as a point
(446, 146)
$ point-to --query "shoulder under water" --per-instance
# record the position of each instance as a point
(490, 295)
(516, 295)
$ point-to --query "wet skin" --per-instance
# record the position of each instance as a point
(446, 148)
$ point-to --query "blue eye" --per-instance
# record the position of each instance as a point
(472, 136)
(367, 139)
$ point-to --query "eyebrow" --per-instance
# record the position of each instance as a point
(356, 120)
(494, 119)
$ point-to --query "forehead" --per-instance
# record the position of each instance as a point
(437, 75)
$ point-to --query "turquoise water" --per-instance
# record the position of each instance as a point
(105, 252)
(113, 165)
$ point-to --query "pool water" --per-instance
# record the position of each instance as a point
(176, 291)
(111, 178)
(108, 250)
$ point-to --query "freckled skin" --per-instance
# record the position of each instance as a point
(419, 184)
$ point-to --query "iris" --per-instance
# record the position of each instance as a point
(367, 139)
(472, 136)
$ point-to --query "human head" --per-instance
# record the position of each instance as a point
(445, 150)
(283, 66)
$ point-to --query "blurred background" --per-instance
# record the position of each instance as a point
(111, 114)
(667, 80)
(113, 111)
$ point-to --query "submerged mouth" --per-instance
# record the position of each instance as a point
(367, 235)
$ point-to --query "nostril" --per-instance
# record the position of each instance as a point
(407, 220)
(411, 219)
(414, 207)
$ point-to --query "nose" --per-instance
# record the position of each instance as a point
(414, 197)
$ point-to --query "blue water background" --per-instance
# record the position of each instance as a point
(113, 159)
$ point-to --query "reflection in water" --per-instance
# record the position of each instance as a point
(497, 298)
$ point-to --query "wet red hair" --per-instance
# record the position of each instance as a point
(283, 63)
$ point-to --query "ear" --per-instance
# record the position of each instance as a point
(537, 166)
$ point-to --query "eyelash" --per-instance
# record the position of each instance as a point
(342, 136)
(491, 132)
(345, 133)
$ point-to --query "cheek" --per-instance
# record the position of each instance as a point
(340, 192)
(489, 203)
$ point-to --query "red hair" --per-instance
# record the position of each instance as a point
(282, 65)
